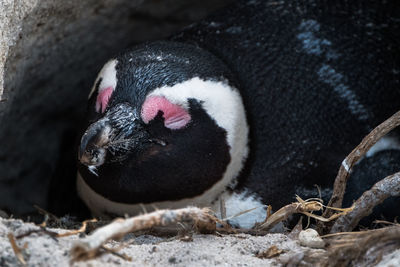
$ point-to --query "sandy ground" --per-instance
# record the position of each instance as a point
(147, 250)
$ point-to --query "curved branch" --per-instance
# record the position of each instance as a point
(339, 186)
(87, 248)
(388, 187)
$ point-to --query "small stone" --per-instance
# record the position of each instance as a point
(172, 260)
(310, 238)
(154, 249)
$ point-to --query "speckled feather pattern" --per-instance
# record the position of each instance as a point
(314, 75)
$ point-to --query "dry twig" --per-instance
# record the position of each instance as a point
(390, 186)
(271, 252)
(305, 207)
(294, 233)
(16, 249)
(116, 253)
(53, 234)
(339, 186)
(46, 213)
(41, 229)
(284, 213)
(385, 222)
(78, 231)
(346, 247)
(88, 247)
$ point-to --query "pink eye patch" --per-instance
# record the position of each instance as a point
(175, 117)
(102, 99)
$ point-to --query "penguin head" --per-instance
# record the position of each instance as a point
(165, 123)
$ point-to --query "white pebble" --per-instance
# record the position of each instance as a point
(310, 238)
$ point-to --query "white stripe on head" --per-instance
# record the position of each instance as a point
(108, 76)
(224, 105)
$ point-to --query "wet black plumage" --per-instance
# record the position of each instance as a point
(316, 77)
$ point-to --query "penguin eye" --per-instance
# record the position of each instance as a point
(175, 116)
(102, 98)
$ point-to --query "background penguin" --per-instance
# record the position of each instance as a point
(255, 104)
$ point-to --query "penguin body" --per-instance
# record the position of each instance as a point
(185, 134)
(255, 104)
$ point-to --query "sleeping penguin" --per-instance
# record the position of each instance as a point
(257, 103)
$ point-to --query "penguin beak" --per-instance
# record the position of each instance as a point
(92, 150)
(114, 136)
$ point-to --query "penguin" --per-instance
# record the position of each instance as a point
(257, 103)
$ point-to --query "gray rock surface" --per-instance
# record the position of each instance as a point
(50, 53)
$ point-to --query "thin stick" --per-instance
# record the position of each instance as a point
(88, 247)
(346, 233)
(284, 213)
(54, 235)
(222, 207)
(343, 254)
(40, 230)
(116, 253)
(16, 249)
(78, 231)
(385, 222)
(339, 186)
(305, 207)
(389, 186)
(45, 212)
(241, 213)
